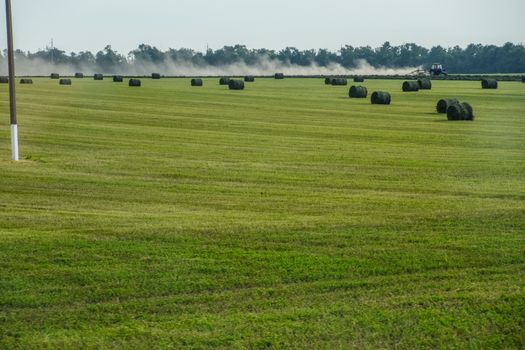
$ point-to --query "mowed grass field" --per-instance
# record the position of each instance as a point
(284, 216)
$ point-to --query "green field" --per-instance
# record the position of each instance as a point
(284, 216)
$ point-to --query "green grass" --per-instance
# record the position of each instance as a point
(284, 216)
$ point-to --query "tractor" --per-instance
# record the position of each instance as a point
(437, 69)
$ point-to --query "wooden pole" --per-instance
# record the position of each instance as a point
(12, 87)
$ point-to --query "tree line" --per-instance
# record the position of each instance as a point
(475, 58)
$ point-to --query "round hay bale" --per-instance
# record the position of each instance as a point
(118, 79)
(155, 76)
(98, 77)
(79, 75)
(381, 98)
(26, 81)
(443, 104)
(457, 112)
(65, 82)
(249, 78)
(55, 76)
(460, 111)
(489, 83)
(410, 86)
(424, 84)
(135, 83)
(328, 80)
(196, 82)
(224, 81)
(236, 85)
(279, 76)
(358, 92)
(358, 79)
(469, 111)
(339, 82)
(4, 80)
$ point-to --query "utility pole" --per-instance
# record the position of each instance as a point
(12, 92)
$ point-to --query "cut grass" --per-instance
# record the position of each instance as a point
(283, 216)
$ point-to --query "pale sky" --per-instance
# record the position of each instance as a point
(77, 25)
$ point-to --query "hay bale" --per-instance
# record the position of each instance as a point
(55, 76)
(135, 83)
(279, 76)
(443, 104)
(358, 92)
(4, 80)
(65, 82)
(339, 82)
(489, 83)
(118, 79)
(236, 85)
(470, 111)
(456, 112)
(79, 75)
(196, 82)
(460, 111)
(155, 76)
(358, 79)
(26, 81)
(249, 78)
(381, 98)
(224, 81)
(328, 80)
(410, 86)
(98, 77)
(424, 84)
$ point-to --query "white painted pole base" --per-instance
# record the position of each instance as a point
(14, 141)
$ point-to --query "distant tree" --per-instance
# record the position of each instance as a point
(108, 60)
(386, 55)
(183, 55)
(475, 58)
(324, 57)
(84, 58)
(51, 55)
(147, 53)
(437, 54)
